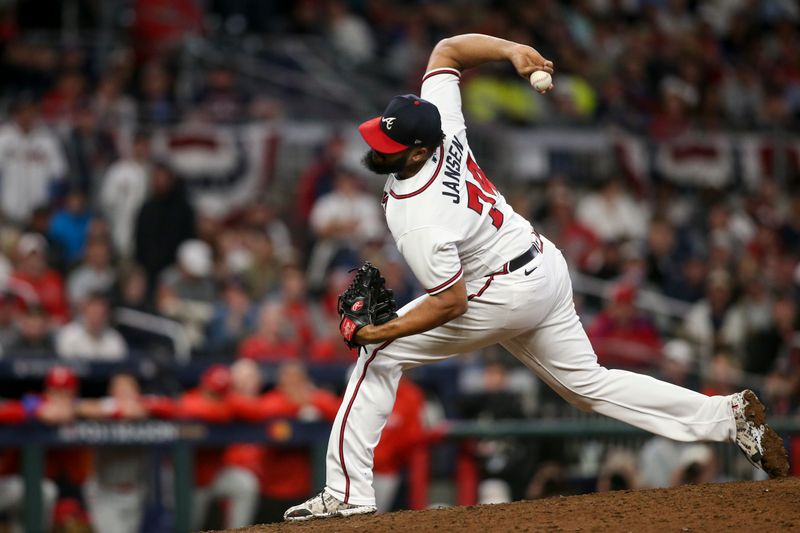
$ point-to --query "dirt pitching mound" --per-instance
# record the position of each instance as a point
(743, 506)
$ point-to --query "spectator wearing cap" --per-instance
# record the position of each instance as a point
(57, 404)
(165, 220)
(187, 291)
(123, 192)
(32, 270)
(31, 161)
(286, 471)
(213, 479)
(622, 336)
(342, 221)
(34, 336)
(69, 225)
(234, 317)
(94, 273)
(90, 337)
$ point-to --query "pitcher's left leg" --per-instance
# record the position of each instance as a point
(565, 361)
(560, 353)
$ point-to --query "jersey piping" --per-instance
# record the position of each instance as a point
(444, 70)
(430, 181)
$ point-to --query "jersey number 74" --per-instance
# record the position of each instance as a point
(482, 193)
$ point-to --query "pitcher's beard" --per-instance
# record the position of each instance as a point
(371, 162)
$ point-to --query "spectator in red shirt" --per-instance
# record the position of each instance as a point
(212, 478)
(621, 336)
(286, 471)
(32, 269)
(274, 337)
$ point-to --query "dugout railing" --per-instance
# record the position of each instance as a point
(180, 438)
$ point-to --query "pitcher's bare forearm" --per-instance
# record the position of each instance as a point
(430, 313)
(470, 50)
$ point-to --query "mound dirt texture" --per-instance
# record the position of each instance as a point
(743, 506)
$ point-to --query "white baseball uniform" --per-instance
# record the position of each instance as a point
(450, 222)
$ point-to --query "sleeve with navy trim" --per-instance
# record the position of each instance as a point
(432, 255)
(441, 87)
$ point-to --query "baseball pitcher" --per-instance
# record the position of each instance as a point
(490, 278)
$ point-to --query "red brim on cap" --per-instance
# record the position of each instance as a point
(377, 140)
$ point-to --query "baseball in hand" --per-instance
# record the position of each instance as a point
(541, 80)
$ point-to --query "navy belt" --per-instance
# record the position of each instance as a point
(522, 260)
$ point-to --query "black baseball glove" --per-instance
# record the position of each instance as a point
(365, 301)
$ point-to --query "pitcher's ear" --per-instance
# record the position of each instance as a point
(420, 154)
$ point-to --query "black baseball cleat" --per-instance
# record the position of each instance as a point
(323, 505)
(759, 442)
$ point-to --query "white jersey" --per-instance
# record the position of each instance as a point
(448, 220)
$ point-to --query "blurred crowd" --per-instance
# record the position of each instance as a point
(653, 66)
(106, 489)
(106, 254)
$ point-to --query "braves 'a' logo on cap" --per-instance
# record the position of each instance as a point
(389, 121)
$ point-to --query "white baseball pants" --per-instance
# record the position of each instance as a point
(533, 316)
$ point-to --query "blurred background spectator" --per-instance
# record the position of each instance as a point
(90, 336)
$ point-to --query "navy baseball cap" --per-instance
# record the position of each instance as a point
(407, 121)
